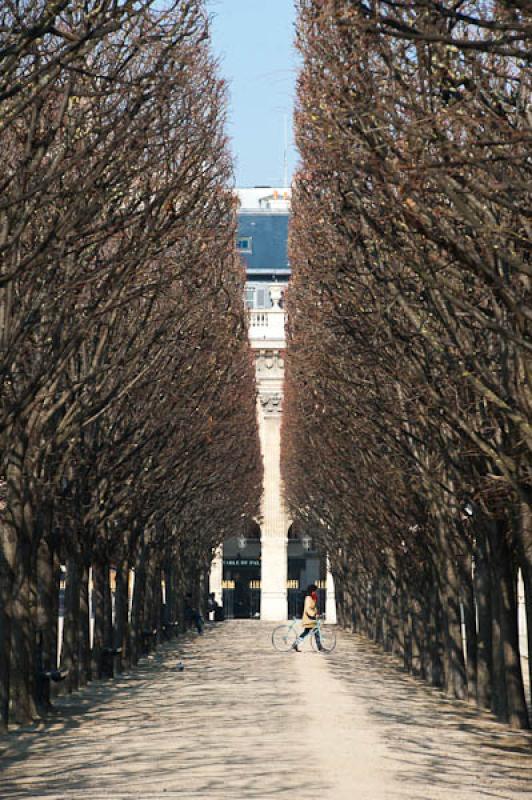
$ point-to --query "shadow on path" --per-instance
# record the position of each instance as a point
(234, 726)
(440, 747)
(223, 727)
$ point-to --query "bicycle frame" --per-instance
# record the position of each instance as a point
(287, 635)
(316, 629)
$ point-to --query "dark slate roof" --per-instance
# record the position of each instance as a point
(269, 235)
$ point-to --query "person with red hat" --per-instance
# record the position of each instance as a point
(310, 615)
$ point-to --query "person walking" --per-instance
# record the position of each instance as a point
(192, 615)
(216, 612)
(310, 615)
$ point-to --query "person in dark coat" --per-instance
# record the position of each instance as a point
(192, 615)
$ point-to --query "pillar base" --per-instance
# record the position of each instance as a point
(273, 606)
(274, 568)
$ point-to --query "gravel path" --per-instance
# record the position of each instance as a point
(243, 721)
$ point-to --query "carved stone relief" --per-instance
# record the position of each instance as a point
(272, 403)
(269, 362)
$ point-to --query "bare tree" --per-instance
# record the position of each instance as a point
(408, 364)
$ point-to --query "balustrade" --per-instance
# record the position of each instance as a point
(267, 323)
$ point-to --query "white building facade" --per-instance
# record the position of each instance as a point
(263, 570)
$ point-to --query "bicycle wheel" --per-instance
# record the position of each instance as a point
(283, 637)
(327, 640)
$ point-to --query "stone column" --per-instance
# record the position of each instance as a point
(274, 542)
(216, 575)
(273, 597)
(330, 597)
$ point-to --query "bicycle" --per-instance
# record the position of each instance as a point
(285, 636)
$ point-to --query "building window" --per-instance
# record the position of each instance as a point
(250, 298)
(244, 244)
(261, 298)
(257, 297)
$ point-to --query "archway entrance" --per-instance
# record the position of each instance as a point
(241, 582)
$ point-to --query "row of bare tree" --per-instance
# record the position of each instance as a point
(126, 374)
(407, 431)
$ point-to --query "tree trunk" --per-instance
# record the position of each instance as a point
(341, 593)
(408, 626)
(527, 582)
(108, 632)
(47, 616)
(454, 662)
(437, 648)
(172, 598)
(98, 593)
(417, 635)
(19, 541)
(369, 608)
(426, 660)
(8, 550)
(393, 618)
(137, 610)
(379, 611)
(509, 695)
(482, 584)
(204, 591)
(70, 650)
(23, 640)
(386, 612)
(526, 571)
(499, 704)
(400, 606)
(84, 628)
(517, 709)
(349, 618)
(468, 605)
(121, 615)
(158, 604)
(359, 604)
(149, 601)
(426, 632)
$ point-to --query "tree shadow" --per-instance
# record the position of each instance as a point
(230, 726)
(222, 727)
(439, 746)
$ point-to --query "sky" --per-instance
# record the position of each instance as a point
(253, 40)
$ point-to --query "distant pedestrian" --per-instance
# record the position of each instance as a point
(215, 610)
(310, 616)
(192, 615)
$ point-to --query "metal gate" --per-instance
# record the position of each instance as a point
(244, 604)
(295, 598)
(228, 598)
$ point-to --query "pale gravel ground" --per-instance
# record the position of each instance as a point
(243, 721)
